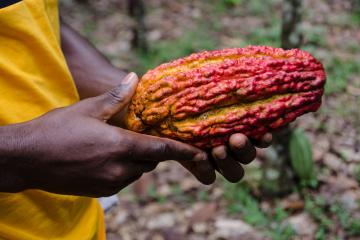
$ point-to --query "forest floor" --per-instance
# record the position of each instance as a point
(170, 203)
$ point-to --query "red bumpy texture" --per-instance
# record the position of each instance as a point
(204, 98)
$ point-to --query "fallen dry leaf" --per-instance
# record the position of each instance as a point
(303, 225)
(205, 212)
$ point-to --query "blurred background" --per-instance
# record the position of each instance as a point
(306, 186)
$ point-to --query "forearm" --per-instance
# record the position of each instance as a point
(13, 147)
(92, 72)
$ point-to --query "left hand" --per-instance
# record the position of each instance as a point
(227, 160)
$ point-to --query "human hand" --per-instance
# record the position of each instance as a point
(227, 160)
(73, 150)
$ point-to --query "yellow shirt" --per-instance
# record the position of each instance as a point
(34, 79)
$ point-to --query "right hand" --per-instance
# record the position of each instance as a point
(73, 150)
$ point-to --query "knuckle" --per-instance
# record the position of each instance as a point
(114, 175)
(116, 95)
(162, 148)
(114, 138)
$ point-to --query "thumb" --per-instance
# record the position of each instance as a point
(113, 101)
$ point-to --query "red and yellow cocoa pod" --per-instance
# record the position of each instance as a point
(204, 98)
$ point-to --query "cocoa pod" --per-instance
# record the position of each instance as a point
(203, 98)
(301, 157)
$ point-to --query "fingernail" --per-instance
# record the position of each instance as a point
(130, 78)
(268, 137)
(241, 143)
(238, 140)
(200, 157)
(221, 155)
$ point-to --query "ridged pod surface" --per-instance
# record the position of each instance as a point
(204, 98)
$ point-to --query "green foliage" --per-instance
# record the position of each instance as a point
(177, 195)
(351, 225)
(321, 212)
(316, 207)
(88, 29)
(257, 7)
(152, 192)
(353, 46)
(357, 172)
(338, 74)
(301, 157)
(221, 6)
(320, 233)
(203, 195)
(231, 3)
(269, 35)
(281, 231)
(253, 7)
(240, 201)
(341, 213)
(165, 51)
(315, 36)
(180, 196)
(355, 15)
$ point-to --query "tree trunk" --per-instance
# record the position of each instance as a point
(291, 35)
(137, 11)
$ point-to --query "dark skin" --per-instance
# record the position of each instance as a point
(73, 150)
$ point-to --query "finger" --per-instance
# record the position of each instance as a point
(243, 151)
(202, 170)
(264, 142)
(108, 104)
(149, 148)
(228, 167)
